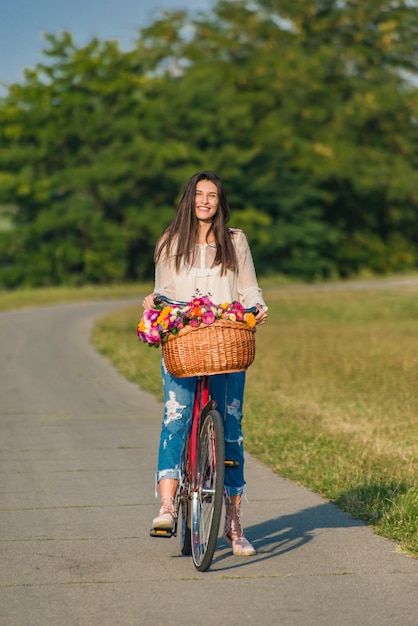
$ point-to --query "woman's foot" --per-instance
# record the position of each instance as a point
(167, 515)
(233, 533)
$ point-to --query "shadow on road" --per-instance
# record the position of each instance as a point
(286, 533)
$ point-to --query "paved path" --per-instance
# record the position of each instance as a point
(78, 449)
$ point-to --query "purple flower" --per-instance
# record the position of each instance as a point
(157, 325)
(152, 314)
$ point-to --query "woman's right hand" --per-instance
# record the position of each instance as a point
(148, 302)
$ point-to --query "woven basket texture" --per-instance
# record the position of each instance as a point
(220, 348)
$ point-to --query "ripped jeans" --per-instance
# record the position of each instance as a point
(228, 392)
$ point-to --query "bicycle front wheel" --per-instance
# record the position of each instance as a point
(208, 493)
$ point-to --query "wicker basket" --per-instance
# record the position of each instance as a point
(220, 348)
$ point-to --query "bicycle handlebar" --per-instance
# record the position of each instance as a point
(159, 299)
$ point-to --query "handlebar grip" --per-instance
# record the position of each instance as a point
(160, 299)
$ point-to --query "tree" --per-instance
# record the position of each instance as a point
(81, 161)
(357, 115)
(306, 109)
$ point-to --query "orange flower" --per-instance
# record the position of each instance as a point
(250, 320)
(164, 314)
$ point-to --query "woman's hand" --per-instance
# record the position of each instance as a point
(261, 316)
(148, 302)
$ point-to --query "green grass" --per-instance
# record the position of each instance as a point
(24, 298)
(331, 401)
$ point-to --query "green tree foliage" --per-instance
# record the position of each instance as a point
(307, 110)
(355, 123)
(83, 160)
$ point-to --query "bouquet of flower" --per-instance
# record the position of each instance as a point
(158, 325)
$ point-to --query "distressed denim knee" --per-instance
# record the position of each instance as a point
(178, 410)
(228, 391)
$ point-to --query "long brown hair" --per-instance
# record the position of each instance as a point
(179, 238)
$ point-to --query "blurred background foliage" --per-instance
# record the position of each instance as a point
(308, 110)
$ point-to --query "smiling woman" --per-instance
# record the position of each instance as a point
(198, 254)
(206, 206)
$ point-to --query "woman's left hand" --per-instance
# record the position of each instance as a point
(261, 316)
(148, 302)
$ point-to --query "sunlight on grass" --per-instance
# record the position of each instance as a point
(24, 298)
(332, 399)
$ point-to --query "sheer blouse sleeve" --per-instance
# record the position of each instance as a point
(164, 276)
(249, 293)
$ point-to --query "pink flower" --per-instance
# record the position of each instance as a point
(154, 336)
(158, 325)
(208, 317)
(151, 314)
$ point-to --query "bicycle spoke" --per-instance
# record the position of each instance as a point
(207, 497)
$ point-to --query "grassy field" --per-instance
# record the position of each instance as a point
(332, 398)
(25, 298)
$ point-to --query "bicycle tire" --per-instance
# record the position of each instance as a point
(207, 496)
(184, 509)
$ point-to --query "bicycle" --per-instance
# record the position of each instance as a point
(199, 496)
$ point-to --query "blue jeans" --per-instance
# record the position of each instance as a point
(228, 392)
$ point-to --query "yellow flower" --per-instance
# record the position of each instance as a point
(164, 314)
(250, 320)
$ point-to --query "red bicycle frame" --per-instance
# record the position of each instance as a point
(201, 400)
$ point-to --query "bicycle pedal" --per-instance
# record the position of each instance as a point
(231, 464)
(162, 532)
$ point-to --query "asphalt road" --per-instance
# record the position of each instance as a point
(78, 451)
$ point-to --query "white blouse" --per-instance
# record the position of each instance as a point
(200, 275)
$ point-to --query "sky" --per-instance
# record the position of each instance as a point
(22, 23)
